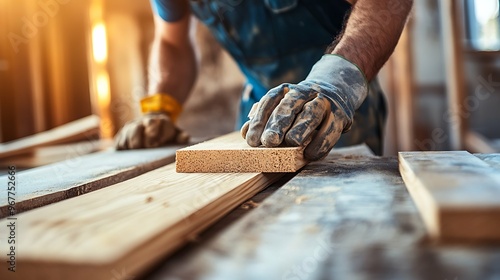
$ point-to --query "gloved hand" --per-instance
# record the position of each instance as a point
(313, 113)
(149, 131)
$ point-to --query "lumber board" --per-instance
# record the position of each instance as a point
(457, 194)
(55, 182)
(231, 154)
(51, 154)
(125, 227)
(404, 81)
(81, 129)
(451, 17)
(341, 218)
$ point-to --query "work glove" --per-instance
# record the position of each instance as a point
(155, 128)
(149, 131)
(313, 113)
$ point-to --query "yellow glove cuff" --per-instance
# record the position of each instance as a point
(161, 102)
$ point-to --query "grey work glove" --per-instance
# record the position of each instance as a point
(313, 113)
(149, 131)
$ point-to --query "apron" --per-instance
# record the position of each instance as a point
(278, 41)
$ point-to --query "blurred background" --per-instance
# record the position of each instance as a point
(62, 60)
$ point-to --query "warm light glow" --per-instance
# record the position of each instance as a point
(102, 84)
(99, 42)
(101, 97)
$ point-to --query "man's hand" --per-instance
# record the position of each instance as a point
(149, 131)
(317, 110)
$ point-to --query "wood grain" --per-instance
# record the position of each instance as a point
(55, 182)
(457, 194)
(55, 153)
(404, 80)
(82, 129)
(231, 154)
(127, 226)
(342, 218)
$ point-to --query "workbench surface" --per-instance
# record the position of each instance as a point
(341, 218)
(348, 216)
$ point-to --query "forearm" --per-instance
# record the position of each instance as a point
(371, 33)
(172, 69)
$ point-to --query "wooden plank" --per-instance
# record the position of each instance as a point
(452, 34)
(351, 152)
(457, 194)
(403, 70)
(55, 153)
(341, 218)
(82, 129)
(231, 154)
(130, 225)
(55, 182)
(387, 81)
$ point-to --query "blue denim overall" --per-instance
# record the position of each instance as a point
(278, 41)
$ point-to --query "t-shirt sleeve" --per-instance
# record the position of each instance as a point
(170, 10)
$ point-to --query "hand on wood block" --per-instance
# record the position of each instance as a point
(317, 110)
(149, 131)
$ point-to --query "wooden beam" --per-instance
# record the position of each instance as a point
(128, 226)
(36, 60)
(73, 177)
(387, 79)
(230, 153)
(452, 34)
(456, 193)
(402, 62)
(82, 129)
(55, 153)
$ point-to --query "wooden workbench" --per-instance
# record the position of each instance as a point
(319, 225)
(345, 217)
